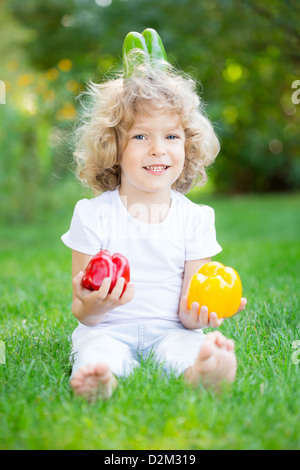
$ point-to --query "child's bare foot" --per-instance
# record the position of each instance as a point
(94, 381)
(215, 363)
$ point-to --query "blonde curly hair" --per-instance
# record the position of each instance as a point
(101, 134)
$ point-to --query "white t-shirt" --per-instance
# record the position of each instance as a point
(156, 252)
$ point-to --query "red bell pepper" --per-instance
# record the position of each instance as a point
(103, 265)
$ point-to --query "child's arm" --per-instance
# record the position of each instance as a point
(193, 319)
(90, 307)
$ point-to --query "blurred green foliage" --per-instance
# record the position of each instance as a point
(244, 54)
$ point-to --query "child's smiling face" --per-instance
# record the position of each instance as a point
(154, 155)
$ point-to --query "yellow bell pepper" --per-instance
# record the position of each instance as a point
(217, 287)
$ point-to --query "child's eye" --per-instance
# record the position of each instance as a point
(139, 137)
(172, 137)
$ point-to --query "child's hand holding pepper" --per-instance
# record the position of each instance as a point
(90, 307)
(198, 319)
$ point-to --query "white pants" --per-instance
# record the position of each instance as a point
(122, 345)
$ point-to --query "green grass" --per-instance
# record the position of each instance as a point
(261, 239)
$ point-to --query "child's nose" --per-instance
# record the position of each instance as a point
(157, 148)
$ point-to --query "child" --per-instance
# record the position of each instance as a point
(145, 142)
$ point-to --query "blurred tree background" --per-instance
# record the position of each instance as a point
(245, 54)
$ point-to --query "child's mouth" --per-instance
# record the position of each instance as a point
(156, 169)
